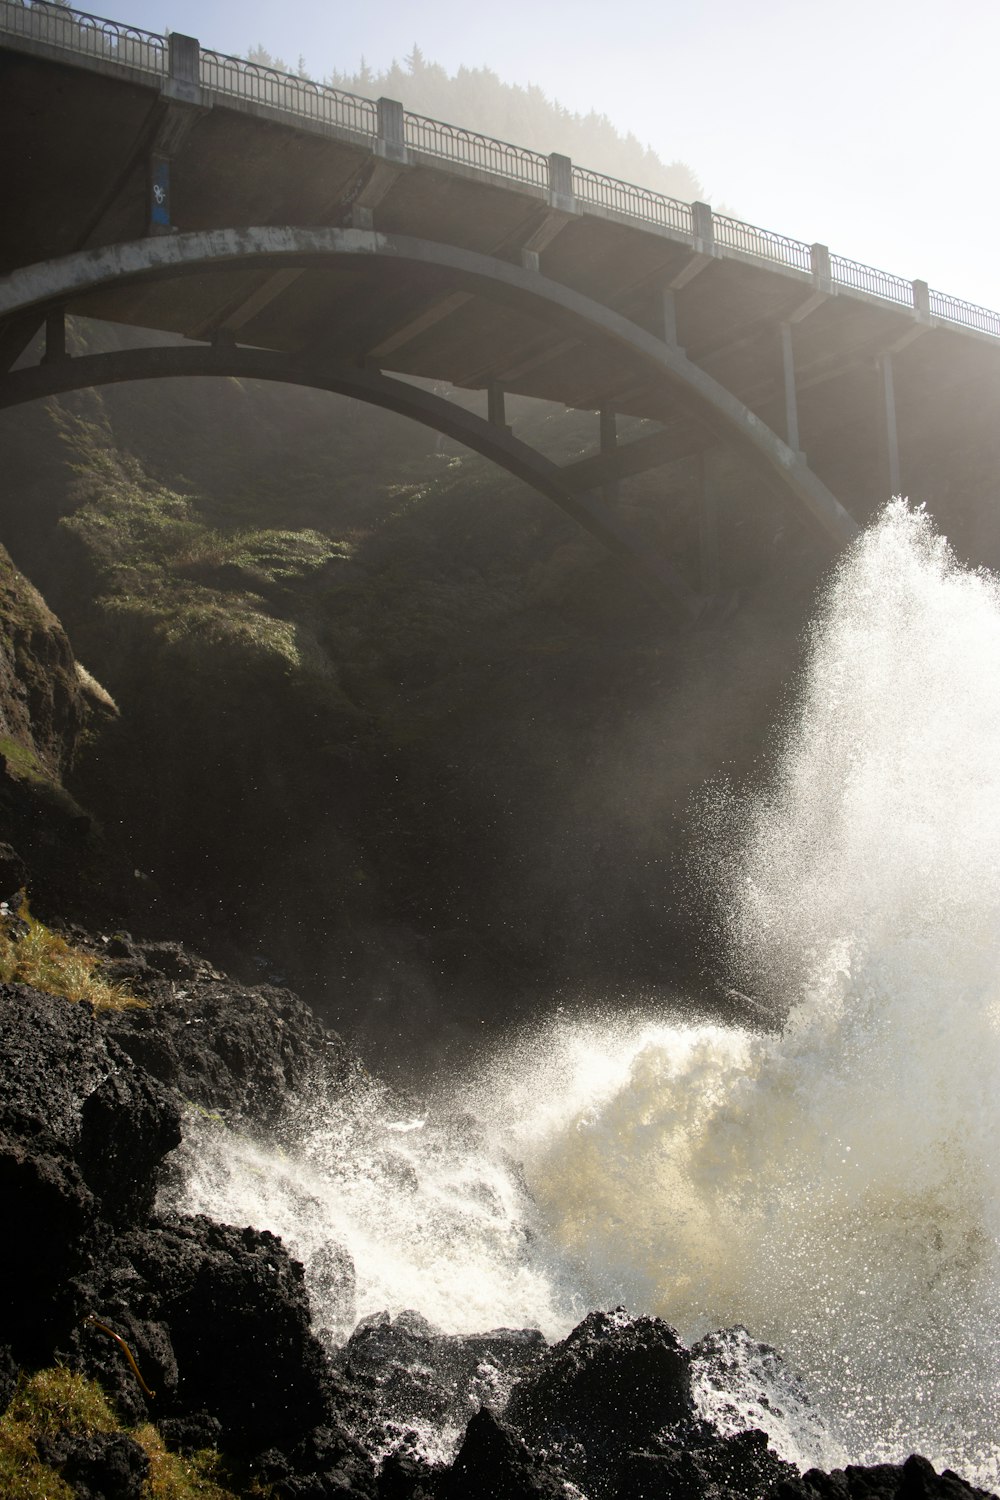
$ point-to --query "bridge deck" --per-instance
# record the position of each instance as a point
(90, 125)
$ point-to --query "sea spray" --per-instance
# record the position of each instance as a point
(832, 1184)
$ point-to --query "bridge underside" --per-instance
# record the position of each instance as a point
(335, 309)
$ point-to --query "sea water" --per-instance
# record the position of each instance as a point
(827, 1180)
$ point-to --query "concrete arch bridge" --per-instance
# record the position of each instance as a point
(288, 231)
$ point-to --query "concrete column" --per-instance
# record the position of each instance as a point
(496, 409)
(922, 299)
(391, 130)
(822, 270)
(669, 316)
(184, 67)
(561, 181)
(55, 336)
(701, 223)
(159, 194)
(609, 446)
(888, 393)
(708, 524)
(791, 400)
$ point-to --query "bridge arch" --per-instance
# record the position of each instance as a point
(70, 279)
(57, 377)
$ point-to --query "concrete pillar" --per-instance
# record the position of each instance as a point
(791, 400)
(496, 410)
(822, 270)
(708, 524)
(560, 181)
(669, 316)
(184, 67)
(609, 445)
(701, 223)
(890, 433)
(55, 336)
(922, 299)
(159, 194)
(391, 130)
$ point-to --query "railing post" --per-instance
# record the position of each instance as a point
(702, 226)
(822, 270)
(391, 142)
(922, 300)
(184, 77)
(561, 182)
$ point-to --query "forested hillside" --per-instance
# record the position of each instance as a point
(479, 100)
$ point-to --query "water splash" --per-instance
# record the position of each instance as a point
(832, 1186)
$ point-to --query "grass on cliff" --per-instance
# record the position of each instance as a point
(30, 953)
(56, 1400)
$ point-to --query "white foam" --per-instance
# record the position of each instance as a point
(832, 1187)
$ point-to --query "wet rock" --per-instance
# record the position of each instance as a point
(609, 1388)
(82, 1136)
(412, 1375)
(104, 1466)
(233, 1302)
(704, 1467)
(916, 1479)
(494, 1462)
(242, 1051)
(191, 1433)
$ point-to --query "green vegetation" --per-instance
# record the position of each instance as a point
(56, 1400)
(30, 953)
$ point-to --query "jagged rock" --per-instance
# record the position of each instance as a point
(242, 1051)
(494, 1462)
(70, 1092)
(233, 1302)
(704, 1467)
(607, 1389)
(916, 1479)
(104, 1466)
(412, 1374)
(82, 1137)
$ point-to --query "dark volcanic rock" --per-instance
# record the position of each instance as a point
(705, 1466)
(240, 1050)
(494, 1462)
(82, 1136)
(611, 1387)
(235, 1306)
(411, 1374)
(104, 1466)
(916, 1479)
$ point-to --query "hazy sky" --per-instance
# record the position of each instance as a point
(869, 125)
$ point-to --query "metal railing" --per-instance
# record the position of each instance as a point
(762, 243)
(287, 91)
(861, 278)
(93, 36)
(968, 314)
(635, 202)
(112, 41)
(454, 143)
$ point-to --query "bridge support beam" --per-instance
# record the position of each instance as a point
(708, 523)
(55, 336)
(791, 401)
(889, 430)
(609, 447)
